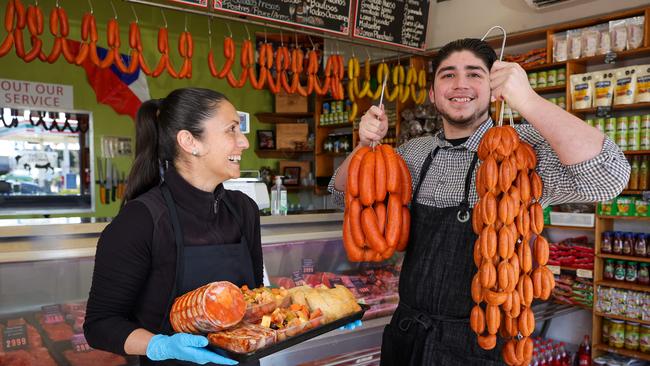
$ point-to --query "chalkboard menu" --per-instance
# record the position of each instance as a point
(324, 15)
(397, 22)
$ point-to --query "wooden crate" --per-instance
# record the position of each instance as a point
(287, 135)
(290, 103)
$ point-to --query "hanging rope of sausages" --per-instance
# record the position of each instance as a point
(506, 217)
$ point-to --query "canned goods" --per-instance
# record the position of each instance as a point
(541, 79)
(632, 336)
(645, 121)
(634, 133)
(553, 100)
(644, 338)
(561, 102)
(610, 128)
(532, 79)
(600, 124)
(590, 122)
(605, 332)
(561, 77)
(616, 333)
(621, 133)
(551, 78)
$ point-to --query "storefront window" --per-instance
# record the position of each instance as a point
(44, 161)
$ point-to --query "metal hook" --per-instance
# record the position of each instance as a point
(503, 43)
(186, 22)
(90, 4)
(36, 2)
(367, 52)
(135, 15)
(281, 39)
(265, 41)
(164, 18)
(114, 11)
(247, 33)
(229, 30)
(313, 47)
(210, 32)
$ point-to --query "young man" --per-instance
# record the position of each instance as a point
(576, 162)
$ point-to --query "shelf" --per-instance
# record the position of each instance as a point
(584, 307)
(619, 107)
(622, 351)
(619, 317)
(639, 218)
(298, 188)
(333, 154)
(281, 153)
(637, 152)
(625, 257)
(564, 227)
(282, 117)
(553, 65)
(336, 125)
(623, 55)
(625, 285)
(551, 89)
(634, 191)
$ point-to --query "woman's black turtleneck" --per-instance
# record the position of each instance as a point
(135, 261)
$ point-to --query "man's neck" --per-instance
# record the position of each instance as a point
(458, 132)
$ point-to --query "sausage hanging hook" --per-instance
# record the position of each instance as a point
(90, 4)
(503, 46)
(163, 16)
(114, 10)
(135, 15)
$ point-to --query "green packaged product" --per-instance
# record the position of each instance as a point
(561, 77)
(551, 78)
(632, 336)
(541, 79)
(610, 128)
(561, 102)
(607, 208)
(532, 79)
(625, 206)
(617, 333)
(600, 124)
(644, 338)
(621, 133)
(641, 208)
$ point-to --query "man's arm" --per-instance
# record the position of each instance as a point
(572, 139)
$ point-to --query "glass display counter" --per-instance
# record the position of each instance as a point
(46, 271)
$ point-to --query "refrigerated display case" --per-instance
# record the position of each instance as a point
(46, 270)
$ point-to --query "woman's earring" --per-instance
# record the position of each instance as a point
(195, 153)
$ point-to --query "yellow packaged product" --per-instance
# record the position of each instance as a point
(581, 91)
(603, 88)
(625, 85)
(642, 84)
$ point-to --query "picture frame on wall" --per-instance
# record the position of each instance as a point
(244, 122)
(291, 176)
(265, 140)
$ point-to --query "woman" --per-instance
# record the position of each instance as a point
(177, 230)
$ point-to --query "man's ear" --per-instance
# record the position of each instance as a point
(432, 98)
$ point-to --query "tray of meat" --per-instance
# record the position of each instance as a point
(249, 342)
(262, 301)
(25, 348)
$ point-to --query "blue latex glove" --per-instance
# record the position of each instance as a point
(184, 347)
(352, 325)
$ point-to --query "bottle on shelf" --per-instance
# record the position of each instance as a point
(564, 355)
(584, 352)
(278, 198)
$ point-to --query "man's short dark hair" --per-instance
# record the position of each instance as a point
(480, 49)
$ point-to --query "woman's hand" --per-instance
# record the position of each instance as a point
(184, 347)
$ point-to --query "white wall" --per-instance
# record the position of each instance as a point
(455, 19)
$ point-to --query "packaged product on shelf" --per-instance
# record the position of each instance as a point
(605, 43)
(560, 47)
(617, 242)
(590, 37)
(644, 338)
(551, 78)
(621, 133)
(634, 32)
(542, 79)
(610, 128)
(625, 85)
(634, 133)
(641, 250)
(600, 124)
(641, 207)
(608, 270)
(642, 84)
(574, 39)
(581, 91)
(632, 336)
(561, 102)
(625, 205)
(606, 208)
(603, 88)
(617, 333)
(631, 271)
(633, 183)
(619, 271)
(645, 132)
(561, 76)
(604, 334)
(532, 79)
(618, 34)
(644, 174)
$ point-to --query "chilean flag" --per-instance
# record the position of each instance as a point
(122, 92)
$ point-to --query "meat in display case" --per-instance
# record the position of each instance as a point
(323, 262)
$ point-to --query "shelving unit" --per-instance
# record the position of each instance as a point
(599, 348)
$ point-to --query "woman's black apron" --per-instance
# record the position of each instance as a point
(431, 323)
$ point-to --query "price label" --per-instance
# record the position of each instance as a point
(15, 337)
(307, 266)
(604, 112)
(52, 314)
(554, 269)
(610, 57)
(79, 343)
(585, 273)
(297, 278)
(361, 287)
(336, 281)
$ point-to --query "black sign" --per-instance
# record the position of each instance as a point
(14, 337)
(325, 15)
(604, 111)
(402, 23)
(610, 57)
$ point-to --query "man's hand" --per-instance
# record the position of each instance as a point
(373, 126)
(509, 82)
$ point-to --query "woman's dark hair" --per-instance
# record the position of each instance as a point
(156, 126)
(480, 49)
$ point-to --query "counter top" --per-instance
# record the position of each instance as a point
(24, 240)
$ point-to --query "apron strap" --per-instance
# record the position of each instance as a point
(178, 236)
(463, 214)
(425, 169)
(235, 213)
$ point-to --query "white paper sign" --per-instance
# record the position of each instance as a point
(31, 94)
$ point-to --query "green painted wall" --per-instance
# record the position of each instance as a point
(106, 121)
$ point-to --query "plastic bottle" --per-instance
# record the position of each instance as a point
(278, 198)
(584, 353)
(566, 359)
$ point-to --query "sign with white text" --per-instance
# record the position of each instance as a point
(33, 94)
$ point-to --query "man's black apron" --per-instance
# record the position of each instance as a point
(431, 323)
(199, 265)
